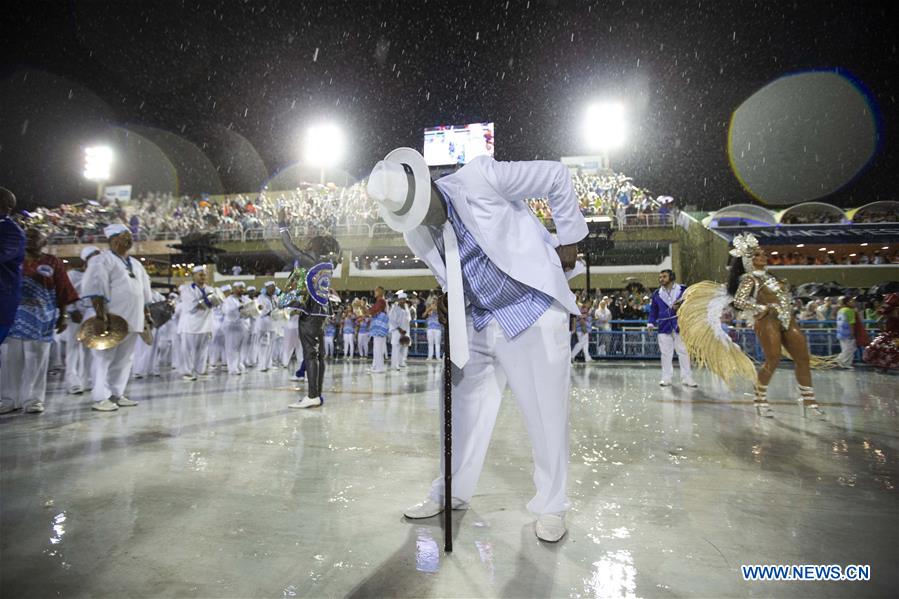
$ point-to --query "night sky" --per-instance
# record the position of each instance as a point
(241, 80)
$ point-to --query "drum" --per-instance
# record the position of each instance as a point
(250, 310)
(216, 298)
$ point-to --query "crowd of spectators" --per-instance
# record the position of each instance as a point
(832, 259)
(888, 214)
(322, 208)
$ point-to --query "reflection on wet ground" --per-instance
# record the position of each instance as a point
(215, 488)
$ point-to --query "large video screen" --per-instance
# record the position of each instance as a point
(457, 144)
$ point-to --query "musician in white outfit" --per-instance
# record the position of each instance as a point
(398, 324)
(236, 327)
(250, 350)
(78, 357)
(475, 226)
(217, 347)
(117, 284)
(195, 324)
(266, 326)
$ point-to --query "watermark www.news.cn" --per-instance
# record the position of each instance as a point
(801, 572)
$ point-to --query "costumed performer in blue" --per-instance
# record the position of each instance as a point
(508, 302)
(308, 290)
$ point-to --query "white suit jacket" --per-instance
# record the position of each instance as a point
(488, 196)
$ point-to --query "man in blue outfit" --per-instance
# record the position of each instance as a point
(12, 254)
(663, 316)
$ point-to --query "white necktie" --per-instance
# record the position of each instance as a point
(458, 329)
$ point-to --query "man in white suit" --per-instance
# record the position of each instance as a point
(508, 321)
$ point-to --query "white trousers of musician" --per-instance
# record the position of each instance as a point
(362, 340)
(194, 353)
(435, 337)
(378, 353)
(235, 341)
(536, 367)
(668, 344)
(348, 344)
(329, 346)
(112, 367)
(291, 345)
(249, 349)
(23, 372)
(277, 343)
(582, 345)
(847, 352)
(398, 352)
(78, 361)
(264, 350)
(146, 358)
(217, 348)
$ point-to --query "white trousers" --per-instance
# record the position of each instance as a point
(536, 367)
(348, 345)
(435, 336)
(668, 344)
(582, 345)
(847, 352)
(217, 348)
(235, 341)
(147, 358)
(362, 340)
(264, 350)
(378, 353)
(78, 360)
(291, 345)
(277, 343)
(398, 353)
(194, 353)
(249, 349)
(112, 368)
(23, 372)
(329, 347)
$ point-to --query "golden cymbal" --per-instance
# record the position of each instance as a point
(95, 334)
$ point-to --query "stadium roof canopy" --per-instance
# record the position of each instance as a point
(814, 213)
(884, 211)
(742, 215)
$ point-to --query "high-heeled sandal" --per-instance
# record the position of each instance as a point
(762, 407)
(810, 407)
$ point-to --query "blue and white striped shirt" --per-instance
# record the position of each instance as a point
(490, 292)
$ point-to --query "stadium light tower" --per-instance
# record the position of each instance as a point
(323, 147)
(98, 166)
(605, 128)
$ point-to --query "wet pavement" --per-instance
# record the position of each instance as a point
(217, 489)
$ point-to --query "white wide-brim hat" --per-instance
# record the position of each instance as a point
(401, 185)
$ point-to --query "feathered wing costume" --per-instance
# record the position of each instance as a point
(699, 319)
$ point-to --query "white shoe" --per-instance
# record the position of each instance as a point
(8, 409)
(124, 402)
(664, 383)
(138, 377)
(297, 378)
(691, 384)
(35, 408)
(550, 527)
(75, 391)
(429, 508)
(104, 405)
(188, 377)
(309, 402)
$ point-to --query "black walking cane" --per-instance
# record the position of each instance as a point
(447, 437)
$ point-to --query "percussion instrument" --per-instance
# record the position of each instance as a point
(250, 310)
(95, 334)
(161, 312)
(216, 298)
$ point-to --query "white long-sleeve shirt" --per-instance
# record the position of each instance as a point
(194, 319)
(108, 276)
(231, 310)
(398, 318)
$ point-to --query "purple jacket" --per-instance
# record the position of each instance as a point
(663, 316)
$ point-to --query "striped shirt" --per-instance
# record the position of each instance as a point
(490, 292)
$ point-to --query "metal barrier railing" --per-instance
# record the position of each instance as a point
(632, 341)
